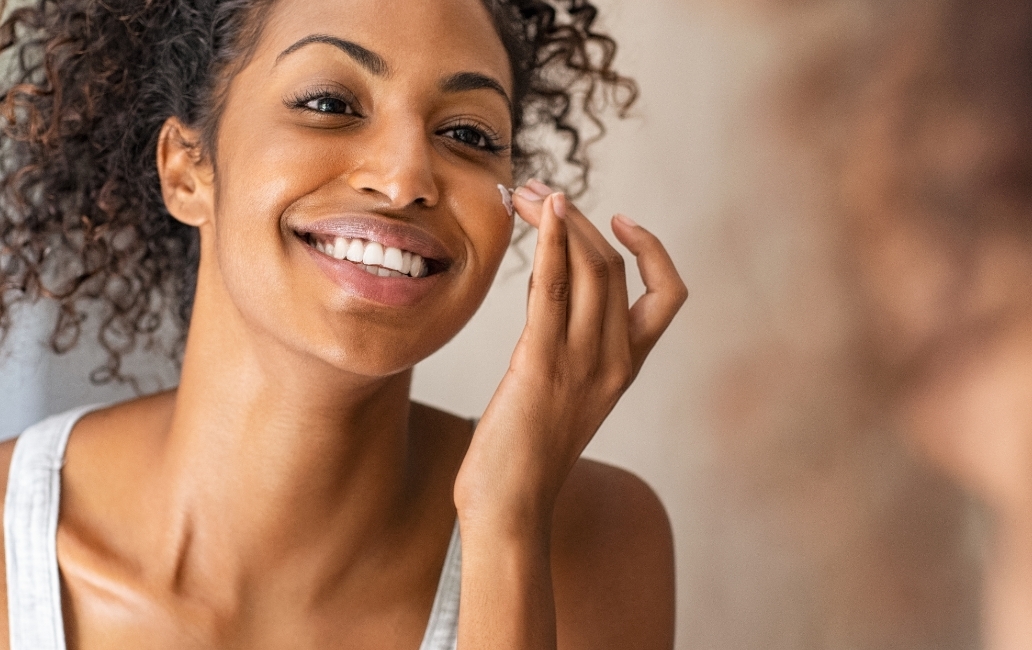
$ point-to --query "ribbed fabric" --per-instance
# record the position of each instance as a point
(30, 534)
(30, 546)
(442, 632)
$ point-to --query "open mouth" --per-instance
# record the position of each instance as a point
(373, 257)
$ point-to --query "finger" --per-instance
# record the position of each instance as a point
(665, 292)
(529, 204)
(610, 319)
(548, 301)
(589, 280)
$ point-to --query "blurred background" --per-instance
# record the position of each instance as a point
(807, 514)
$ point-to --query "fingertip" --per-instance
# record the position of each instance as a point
(526, 194)
(626, 221)
(528, 206)
(558, 205)
(626, 231)
(551, 224)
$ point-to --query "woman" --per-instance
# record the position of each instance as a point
(334, 168)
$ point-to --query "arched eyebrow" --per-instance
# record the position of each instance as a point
(465, 81)
(369, 60)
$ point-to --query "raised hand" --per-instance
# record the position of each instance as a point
(582, 347)
(580, 350)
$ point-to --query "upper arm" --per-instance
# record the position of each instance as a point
(6, 452)
(612, 562)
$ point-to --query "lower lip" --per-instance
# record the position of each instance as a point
(393, 292)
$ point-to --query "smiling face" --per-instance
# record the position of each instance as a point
(356, 215)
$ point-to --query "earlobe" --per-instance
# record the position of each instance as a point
(186, 174)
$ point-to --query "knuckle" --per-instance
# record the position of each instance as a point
(598, 266)
(622, 375)
(617, 263)
(559, 290)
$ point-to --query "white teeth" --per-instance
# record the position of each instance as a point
(340, 248)
(374, 258)
(356, 251)
(373, 254)
(393, 259)
(418, 267)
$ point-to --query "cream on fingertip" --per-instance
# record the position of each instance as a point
(507, 199)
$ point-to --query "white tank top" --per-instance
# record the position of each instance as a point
(30, 546)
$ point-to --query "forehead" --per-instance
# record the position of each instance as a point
(412, 36)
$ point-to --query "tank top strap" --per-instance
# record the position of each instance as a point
(442, 631)
(30, 534)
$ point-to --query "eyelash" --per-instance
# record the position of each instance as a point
(301, 101)
(491, 143)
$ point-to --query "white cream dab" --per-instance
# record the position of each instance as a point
(507, 199)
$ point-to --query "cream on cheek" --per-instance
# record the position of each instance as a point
(507, 200)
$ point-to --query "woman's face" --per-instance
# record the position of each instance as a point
(375, 131)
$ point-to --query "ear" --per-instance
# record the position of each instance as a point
(187, 176)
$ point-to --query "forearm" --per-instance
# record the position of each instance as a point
(507, 599)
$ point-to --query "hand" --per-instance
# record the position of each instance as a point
(581, 349)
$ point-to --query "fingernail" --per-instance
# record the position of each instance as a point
(627, 221)
(529, 194)
(539, 187)
(559, 205)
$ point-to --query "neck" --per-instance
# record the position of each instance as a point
(273, 456)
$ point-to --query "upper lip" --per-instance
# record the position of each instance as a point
(388, 232)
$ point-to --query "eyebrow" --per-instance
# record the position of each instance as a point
(465, 81)
(371, 61)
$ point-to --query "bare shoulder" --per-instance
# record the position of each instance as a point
(612, 562)
(6, 452)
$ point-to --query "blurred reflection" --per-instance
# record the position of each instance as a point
(928, 120)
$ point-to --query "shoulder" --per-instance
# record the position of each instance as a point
(612, 562)
(6, 453)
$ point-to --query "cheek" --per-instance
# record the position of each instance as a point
(259, 178)
(486, 225)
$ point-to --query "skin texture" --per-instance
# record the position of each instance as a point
(288, 493)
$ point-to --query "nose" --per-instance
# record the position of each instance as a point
(396, 163)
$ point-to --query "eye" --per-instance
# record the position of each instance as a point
(324, 101)
(473, 136)
(334, 105)
(470, 136)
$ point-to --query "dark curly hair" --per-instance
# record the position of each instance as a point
(89, 85)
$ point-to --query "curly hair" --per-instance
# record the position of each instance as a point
(90, 84)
